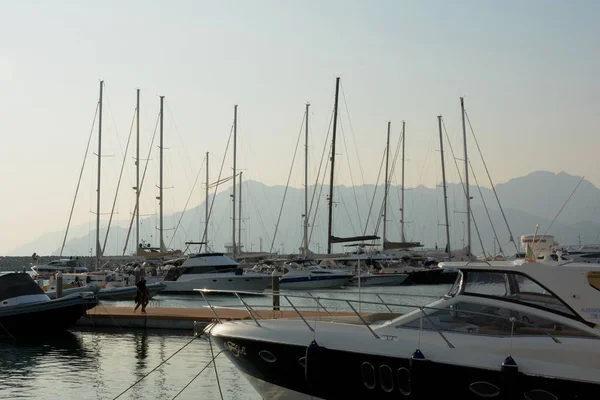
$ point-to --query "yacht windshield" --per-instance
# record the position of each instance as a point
(512, 286)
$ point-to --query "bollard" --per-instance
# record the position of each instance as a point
(275, 286)
(59, 284)
(138, 274)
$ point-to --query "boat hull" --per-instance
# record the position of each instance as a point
(314, 282)
(278, 371)
(45, 318)
(233, 282)
(380, 280)
(128, 292)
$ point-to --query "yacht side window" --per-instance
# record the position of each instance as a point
(468, 317)
(487, 283)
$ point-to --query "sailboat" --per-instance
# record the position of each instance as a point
(147, 251)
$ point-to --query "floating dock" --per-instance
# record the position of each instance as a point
(184, 318)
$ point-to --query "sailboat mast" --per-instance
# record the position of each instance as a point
(239, 242)
(160, 188)
(98, 248)
(403, 238)
(444, 186)
(305, 241)
(137, 171)
(335, 112)
(464, 129)
(206, 208)
(386, 186)
(233, 251)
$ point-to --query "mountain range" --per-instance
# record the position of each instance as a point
(539, 198)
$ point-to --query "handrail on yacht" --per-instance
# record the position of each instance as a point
(422, 308)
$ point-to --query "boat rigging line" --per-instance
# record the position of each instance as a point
(310, 212)
(511, 238)
(212, 203)
(287, 184)
(211, 361)
(188, 201)
(563, 206)
(135, 210)
(376, 228)
(463, 186)
(362, 174)
(351, 180)
(486, 210)
(80, 175)
(112, 211)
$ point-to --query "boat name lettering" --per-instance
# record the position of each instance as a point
(235, 349)
(590, 310)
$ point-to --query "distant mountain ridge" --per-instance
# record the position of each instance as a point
(532, 199)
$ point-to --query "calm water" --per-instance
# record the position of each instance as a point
(100, 364)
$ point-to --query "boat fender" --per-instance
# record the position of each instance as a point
(510, 378)
(420, 376)
(313, 362)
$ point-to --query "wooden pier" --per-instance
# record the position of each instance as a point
(184, 318)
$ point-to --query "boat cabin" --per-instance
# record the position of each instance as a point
(515, 297)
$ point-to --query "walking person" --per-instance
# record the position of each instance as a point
(141, 296)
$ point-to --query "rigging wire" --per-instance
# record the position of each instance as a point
(80, 175)
(212, 203)
(511, 238)
(135, 209)
(373, 198)
(188, 201)
(463, 187)
(563, 206)
(312, 225)
(112, 211)
(287, 185)
(360, 168)
(351, 180)
(486, 209)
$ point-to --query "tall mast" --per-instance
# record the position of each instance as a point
(160, 188)
(233, 246)
(444, 186)
(137, 172)
(462, 108)
(385, 190)
(98, 248)
(305, 241)
(335, 112)
(403, 238)
(239, 242)
(206, 209)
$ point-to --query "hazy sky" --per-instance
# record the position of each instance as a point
(527, 69)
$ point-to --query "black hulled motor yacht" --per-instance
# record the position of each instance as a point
(505, 330)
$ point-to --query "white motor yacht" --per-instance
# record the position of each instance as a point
(307, 274)
(505, 330)
(213, 271)
(368, 278)
(64, 265)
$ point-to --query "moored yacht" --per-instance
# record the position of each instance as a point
(307, 274)
(368, 278)
(505, 330)
(64, 265)
(213, 271)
